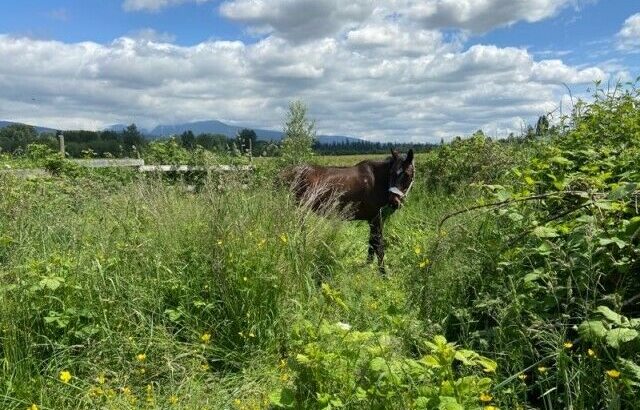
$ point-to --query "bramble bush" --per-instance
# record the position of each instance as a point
(557, 294)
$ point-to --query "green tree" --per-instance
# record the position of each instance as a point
(246, 139)
(542, 126)
(299, 135)
(132, 139)
(17, 136)
(188, 140)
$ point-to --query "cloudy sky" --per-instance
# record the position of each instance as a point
(393, 70)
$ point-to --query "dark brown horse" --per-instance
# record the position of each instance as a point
(368, 191)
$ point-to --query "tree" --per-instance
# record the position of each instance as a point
(188, 140)
(131, 138)
(542, 126)
(246, 139)
(299, 135)
(17, 136)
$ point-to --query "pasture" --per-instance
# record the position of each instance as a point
(120, 290)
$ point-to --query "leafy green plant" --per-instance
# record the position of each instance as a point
(334, 366)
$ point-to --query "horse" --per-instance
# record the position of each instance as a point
(368, 191)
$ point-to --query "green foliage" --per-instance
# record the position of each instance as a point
(334, 366)
(558, 263)
(299, 135)
(474, 160)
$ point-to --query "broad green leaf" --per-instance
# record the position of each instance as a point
(610, 315)
(631, 367)
(430, 361)
(378, 364)
(489, 366)
(302, 359)
(545, 232)
(559, 160)
(530, 277)
(449, 403)
(283, 398)
(593, 330)
(620, 335)
(608, 241)
(51, 282)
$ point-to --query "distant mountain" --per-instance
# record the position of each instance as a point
(4, 124)
(201, 127)
(218, 127)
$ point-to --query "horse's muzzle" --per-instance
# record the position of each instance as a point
(395, 201)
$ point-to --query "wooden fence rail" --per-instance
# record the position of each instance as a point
(130, 163)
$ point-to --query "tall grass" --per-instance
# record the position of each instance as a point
(199, 284)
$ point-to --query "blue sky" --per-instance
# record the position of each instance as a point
(415, 71)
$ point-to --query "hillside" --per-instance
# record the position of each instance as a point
(219, 127)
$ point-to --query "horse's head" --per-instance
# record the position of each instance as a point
(400, 177)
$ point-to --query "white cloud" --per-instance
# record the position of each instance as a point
(304, 20)
(481, 15)
(381, 80)
(629, 36)
(298, 19)
(155, 5)
(152, 35)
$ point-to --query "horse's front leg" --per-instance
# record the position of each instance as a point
(376, 243)
(372, 242)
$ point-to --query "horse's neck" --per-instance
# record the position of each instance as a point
(381, 172)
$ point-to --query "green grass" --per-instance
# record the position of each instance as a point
(96, 273)
(151, 296)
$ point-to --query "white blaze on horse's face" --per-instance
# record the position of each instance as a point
(401, 178)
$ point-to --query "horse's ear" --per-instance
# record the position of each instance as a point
(394, 153)
(409, 159)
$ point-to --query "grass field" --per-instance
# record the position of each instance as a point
(122, 291)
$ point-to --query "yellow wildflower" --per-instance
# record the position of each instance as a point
(251, 334)
(65, 376)
(126, 390)
(32, 407)
(417, 250)
(567, 345)
(613, 373)
(543, 369)
(173, 399)
(244, 278)
(141, 357)
(591, 353)
(219, 242)
(283, 238)
(424, 263)
(522, 377)
(490, 408)
(485, 397)
(205, 338)
(284, 377)
(204, 367)
(261, 243)
(101, 379)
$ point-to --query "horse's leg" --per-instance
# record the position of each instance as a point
(378, 242)
(372, 241)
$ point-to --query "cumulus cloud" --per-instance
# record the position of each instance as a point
(302, 20)
(381, 80)
(298, 20)
(154, 5)
(481, 15)
(629, 36)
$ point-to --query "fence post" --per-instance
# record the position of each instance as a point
(61, 141)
